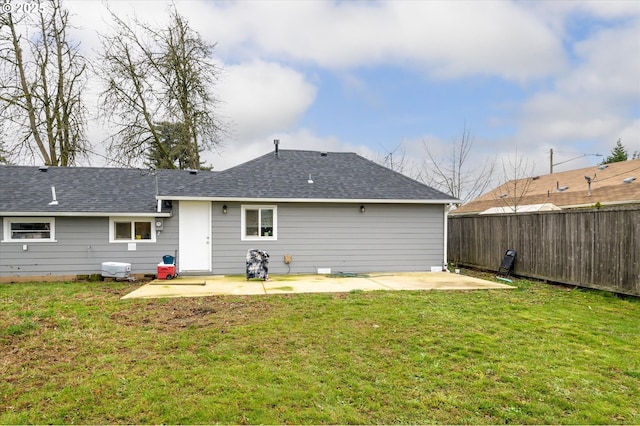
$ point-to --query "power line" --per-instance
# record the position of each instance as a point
(619, 174)
(551, 163)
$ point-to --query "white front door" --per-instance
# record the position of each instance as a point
(194, 236)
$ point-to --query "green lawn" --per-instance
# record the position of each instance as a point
(75, 353)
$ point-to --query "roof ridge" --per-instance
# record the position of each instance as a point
(273, 153)
(402, 175)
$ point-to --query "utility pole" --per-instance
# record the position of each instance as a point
(566, 161)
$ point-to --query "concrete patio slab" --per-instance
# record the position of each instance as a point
(433, 281)
(283, 284)
(324, 285)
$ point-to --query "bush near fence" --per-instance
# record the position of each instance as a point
(595, 248)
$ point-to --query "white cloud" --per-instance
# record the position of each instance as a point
(630, 136)
(609, 68)
(595, 100)
(452, 39)
(459, 39)
(558, 11)
(593, 93)
(262, 98)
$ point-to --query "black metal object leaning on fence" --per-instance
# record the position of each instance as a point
(506, 266)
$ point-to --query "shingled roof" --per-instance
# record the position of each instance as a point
(90, 190)
(101, 191)
(566, 189)
(314, 176)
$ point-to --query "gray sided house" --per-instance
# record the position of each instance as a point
(315, 210)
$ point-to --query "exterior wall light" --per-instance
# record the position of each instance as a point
(362, 209)
(224, 209)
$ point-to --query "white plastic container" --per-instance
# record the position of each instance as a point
(116, 269)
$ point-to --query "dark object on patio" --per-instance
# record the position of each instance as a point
(257, 264)
(504, 271)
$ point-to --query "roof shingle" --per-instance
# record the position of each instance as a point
(335, 176)
(27, 189)
(607, 188)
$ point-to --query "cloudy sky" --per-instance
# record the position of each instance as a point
(373, 77)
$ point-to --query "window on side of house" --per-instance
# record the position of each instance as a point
(129, 230)
(29, 229)
(259, 223)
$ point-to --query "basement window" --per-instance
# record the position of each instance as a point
(259, 223)
(29, 229)
(131, 230)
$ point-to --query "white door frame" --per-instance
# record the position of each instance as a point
(194, 236)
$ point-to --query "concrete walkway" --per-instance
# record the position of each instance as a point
(282, 284)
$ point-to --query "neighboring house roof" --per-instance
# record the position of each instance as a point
(91, 190)
(26, 190)
(607, 188)
(546, 207)
(335, 176)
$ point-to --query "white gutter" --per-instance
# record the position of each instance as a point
(446, 233)
(305, 200)
(84, 214)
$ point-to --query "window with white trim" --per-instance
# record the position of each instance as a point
(132, 230)
(259, 223)
(29, 229)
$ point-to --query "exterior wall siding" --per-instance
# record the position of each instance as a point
(82, 245)
(386, 237)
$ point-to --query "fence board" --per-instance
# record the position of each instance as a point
(594, 248)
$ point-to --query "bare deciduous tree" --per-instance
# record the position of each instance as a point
(517, 175)
(42, 77)
(157, 76)
(397, 160)
(4, 154)
(453, 174)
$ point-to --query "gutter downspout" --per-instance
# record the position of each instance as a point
(446, 233)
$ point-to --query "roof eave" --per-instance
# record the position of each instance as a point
(602, 203)
(85, 214)
(308, 200)
(562, 207)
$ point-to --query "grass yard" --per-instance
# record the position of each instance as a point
(75, 353)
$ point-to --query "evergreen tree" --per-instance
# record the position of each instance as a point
(169, 155)
(176, 149)
(619, 153)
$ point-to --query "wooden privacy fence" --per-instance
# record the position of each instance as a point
(589, 248)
